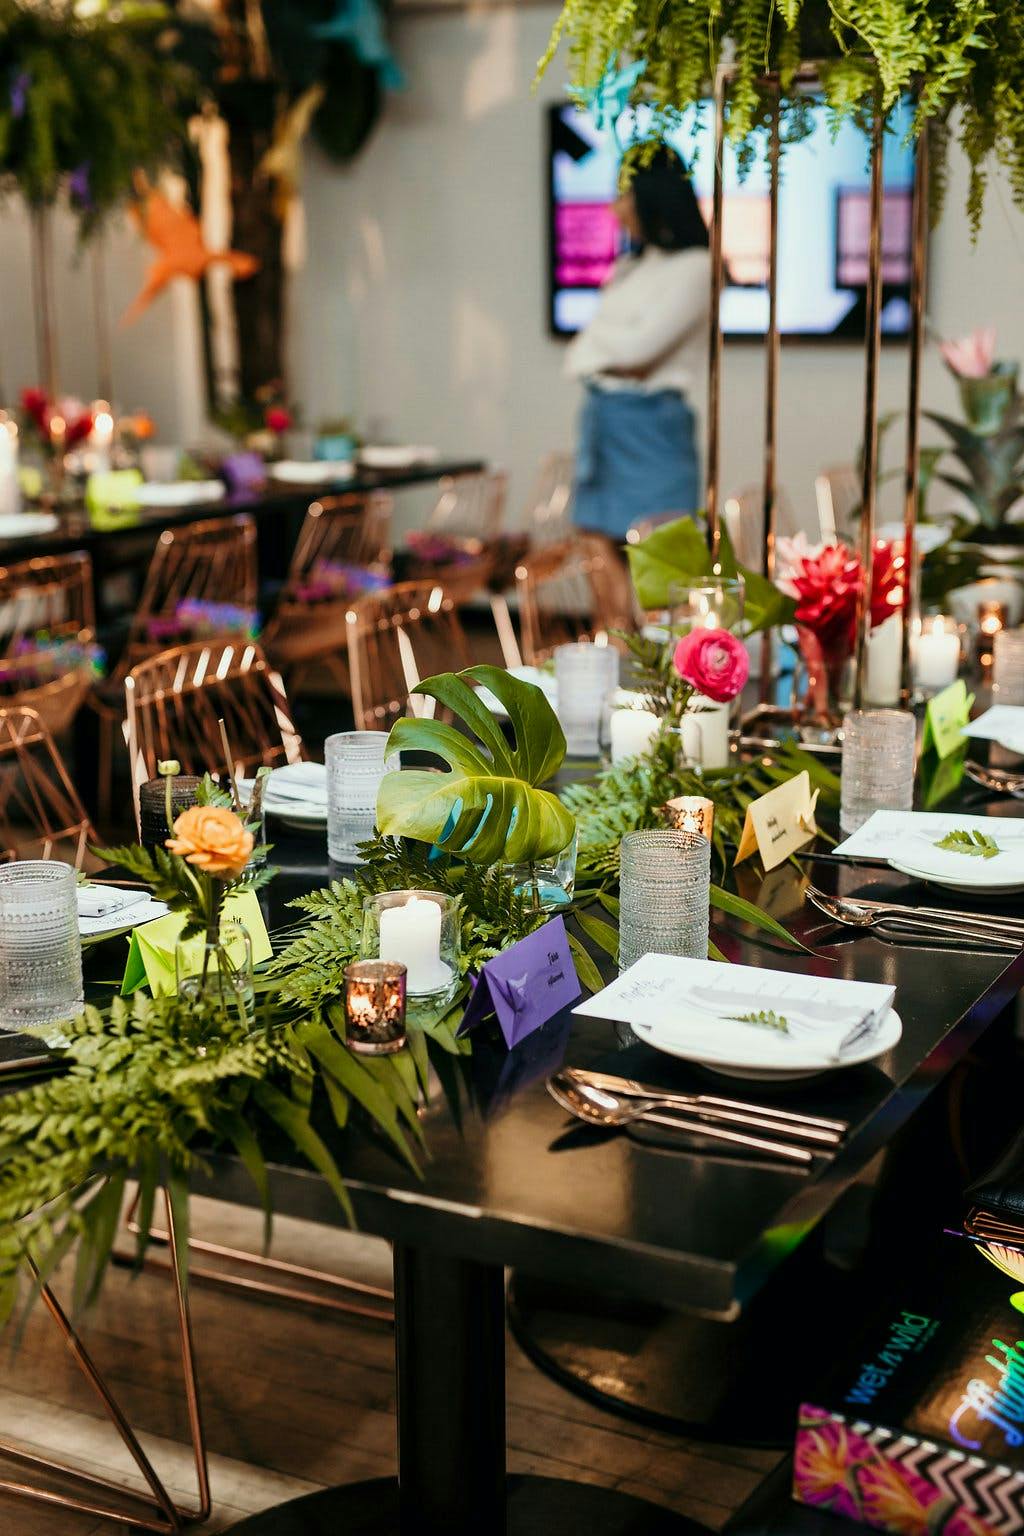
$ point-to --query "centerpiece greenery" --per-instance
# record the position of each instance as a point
(962, 60)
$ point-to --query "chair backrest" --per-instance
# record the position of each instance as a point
(471, 504)
(395, 639)
(41, 815)
(547, 513)
(578, 589)
(744, 520)
(838, 492)
(352, 529)
(51, 593)
(213, 561)
(176, 698)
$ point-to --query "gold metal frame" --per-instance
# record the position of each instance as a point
(159, 1513)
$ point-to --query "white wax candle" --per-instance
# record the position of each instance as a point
(10, 493)
(936, 654)
(633, 730)
(882, 685)
(411, 934)
(705, 732)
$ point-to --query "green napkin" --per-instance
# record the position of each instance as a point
(945, 717)
(113, 490)
(151, 953)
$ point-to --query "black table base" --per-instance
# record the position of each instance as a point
(536, 1506)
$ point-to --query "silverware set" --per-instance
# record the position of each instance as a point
(943, 927)
(602, 1099)
(996, 779)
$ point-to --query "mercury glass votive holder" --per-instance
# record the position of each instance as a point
(40, 946)
(878, 764)
(375, 1007)
(586, 675)
(355, 766)
(691, 813)
(664, 884)
(1008, 666)
(153, 828)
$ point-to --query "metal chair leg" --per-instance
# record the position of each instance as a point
(159, 1514)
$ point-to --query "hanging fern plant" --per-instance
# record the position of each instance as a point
(951, 54)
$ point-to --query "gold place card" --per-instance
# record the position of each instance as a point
(780, 822)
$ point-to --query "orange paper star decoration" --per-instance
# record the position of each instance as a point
(175, 235)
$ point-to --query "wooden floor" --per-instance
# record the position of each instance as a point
(295, 1400)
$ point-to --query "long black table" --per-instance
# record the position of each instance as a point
(509, 1183)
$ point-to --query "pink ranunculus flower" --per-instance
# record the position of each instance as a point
(714, 662)
(973, 356)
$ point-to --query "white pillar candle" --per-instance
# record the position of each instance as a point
(882, 685)
(633, 730)
(10, 492)
(936, 653)
(705, 732)
(411, 934)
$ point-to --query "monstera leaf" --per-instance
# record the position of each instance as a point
(678, 552)
(488, 806)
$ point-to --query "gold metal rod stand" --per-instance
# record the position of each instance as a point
(771, 381)
(912, 477)
(170, 1519)
(873, 345)
(715, 326)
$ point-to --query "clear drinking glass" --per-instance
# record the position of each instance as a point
(40, 947)
(586, 675)
(355, 766)
(664, 880)
(878, 764)
(1008, 667)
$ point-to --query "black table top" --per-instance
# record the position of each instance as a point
(77, 530)
(510, 1180)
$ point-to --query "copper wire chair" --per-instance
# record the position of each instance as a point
(41, 815)
(308, 626)
(576, 590)
(212, 561)
(176, 700)
(471, 505)
(547, 512)
(50, 595)
(395, 639)
(744, 521)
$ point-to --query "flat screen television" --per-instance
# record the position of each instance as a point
(824, 221)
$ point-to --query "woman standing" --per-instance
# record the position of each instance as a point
(641, 357)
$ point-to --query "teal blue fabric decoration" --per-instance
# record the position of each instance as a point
(359, 23)
(610, 97)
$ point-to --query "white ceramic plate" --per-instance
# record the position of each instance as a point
(310, 472)
(15, 525)
(983, 887)
(180, 493)
(762, 1063)
(387, 457)
(300, 815)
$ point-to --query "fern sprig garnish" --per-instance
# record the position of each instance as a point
(975, 845)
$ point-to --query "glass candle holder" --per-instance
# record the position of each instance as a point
(586, 675)
(355, 766)
(878, 764)
(420, 930)
(375, 1007)
(664, 881)
(715, 604)
(1008, 666)
(153, 828)
(691, 813)
(40, 947)
(936, 651)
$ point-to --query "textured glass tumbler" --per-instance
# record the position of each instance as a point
(878, 764)
(355, 766)
(586, 675)
(664, 880)
(1008, 667)
(40, 947)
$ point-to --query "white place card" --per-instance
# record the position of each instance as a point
(709, 1003)
(900, 834)
(1003, 723)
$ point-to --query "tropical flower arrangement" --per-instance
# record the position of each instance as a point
(58, 424)
(988, 447)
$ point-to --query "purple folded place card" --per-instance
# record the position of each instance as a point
(525, 985)
(243, 471)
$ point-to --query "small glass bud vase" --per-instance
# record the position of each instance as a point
(420, 930)
(550, 882)
(217, 972)
(375, 1007)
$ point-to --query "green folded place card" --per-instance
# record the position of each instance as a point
(945, 717)
(151, 953)
(113, 490)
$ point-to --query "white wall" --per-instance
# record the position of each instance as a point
(422, 305)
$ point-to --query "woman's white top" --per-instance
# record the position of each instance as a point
(653, 309)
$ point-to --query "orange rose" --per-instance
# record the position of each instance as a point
(213, 839)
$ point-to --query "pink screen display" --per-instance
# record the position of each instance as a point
(586, 236)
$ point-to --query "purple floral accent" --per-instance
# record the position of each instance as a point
(79, 188)
(440, 549)
(333, 579)
(19, 93)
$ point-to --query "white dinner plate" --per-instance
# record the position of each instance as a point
(384, 456)
(16, 525)
(311, 471)
(980, 885)
(762, 1058)
(179, 493)
(300, 815)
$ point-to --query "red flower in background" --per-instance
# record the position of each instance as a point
(276, 418)
(714, 662)
(36, 404)
(827, 584)
(886, 581)
(44, 413)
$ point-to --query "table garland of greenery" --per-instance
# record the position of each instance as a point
(146, 1088)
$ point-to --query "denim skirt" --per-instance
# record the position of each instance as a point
(636, 458)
